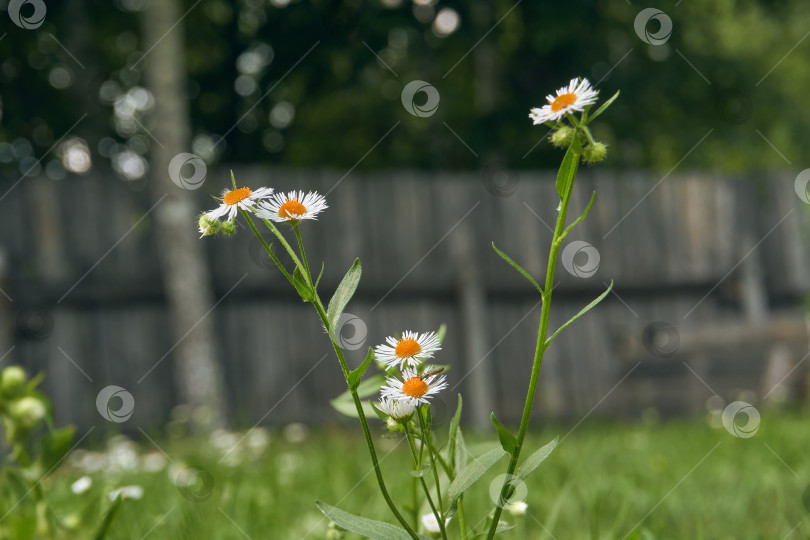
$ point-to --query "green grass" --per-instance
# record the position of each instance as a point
(679, 479)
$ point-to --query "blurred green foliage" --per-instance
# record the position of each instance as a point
(317, 83)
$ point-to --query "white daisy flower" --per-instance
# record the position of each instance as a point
(414, 388)
(395, 408)
(431, 524)
(235, 199)
(410, 350)
(572, 98)
(292, 207)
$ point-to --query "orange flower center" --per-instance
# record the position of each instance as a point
(414, 387)
(236, 196)
(407, 348)
(291, 208)
(563, 101)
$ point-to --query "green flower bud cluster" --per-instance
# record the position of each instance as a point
(21, 410)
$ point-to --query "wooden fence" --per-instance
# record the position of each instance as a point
(692, 256)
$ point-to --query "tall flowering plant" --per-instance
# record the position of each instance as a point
(410, 378)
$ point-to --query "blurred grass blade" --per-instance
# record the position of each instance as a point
(451, 439)
(109, 518)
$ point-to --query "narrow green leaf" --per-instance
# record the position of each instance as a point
(441, 332)
(461, 454)
(604, 107)
(582, 312)
(517, 267)
(369, 528)
(344, 292)
(354, 376)
(301, 285)
(109, 518)
(502, 526)
(319, 275)
(508, 441)
(347, 408)
(568, 168)
(580, 218)
(472, 472)
(55, 446)
(344, 403)
(451, 439)
(534, 460)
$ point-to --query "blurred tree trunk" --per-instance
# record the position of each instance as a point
(185, 272)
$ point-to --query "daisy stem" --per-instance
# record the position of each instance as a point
(541, 337)
(426, 438)
(284, 243)
(417, 461)
(303, 254)
(316, 301)
(462, 525)
(266, 246)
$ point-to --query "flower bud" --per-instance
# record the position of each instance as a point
(209, 226)
(594, 153)
(13, 381)
(229, 228)
(393, 425)
(27, 412)
(333, 532)
(562, 137)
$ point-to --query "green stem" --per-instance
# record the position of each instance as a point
(267, 247)
(417, 461)
(426, 441)
(316, 302)
(462, 525)
(303, 254)
(540, 349)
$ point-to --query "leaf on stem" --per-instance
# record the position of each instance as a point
(369, 528)
(580, 218)
(517, 267)
(508, 441)
(568, 168)
(441, 332)
(354, 376)
(55, 446)
(451, 440)
(344, 292)
(471, 473)
(344, 403)
(534, 460)
(582, 312)
(301, 285)
(604, 107)
(319, 275)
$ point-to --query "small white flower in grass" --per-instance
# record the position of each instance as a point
(410, 350)
(517, 508)
(233, 200)
(414, 388)
(572, 98)
(396, 408)
(292, 207)
(81, 485)
(431, 524)
(127, 492)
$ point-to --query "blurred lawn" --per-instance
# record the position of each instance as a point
(680, 479)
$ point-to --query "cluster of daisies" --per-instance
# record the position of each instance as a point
(288, 208)
(417, 382)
